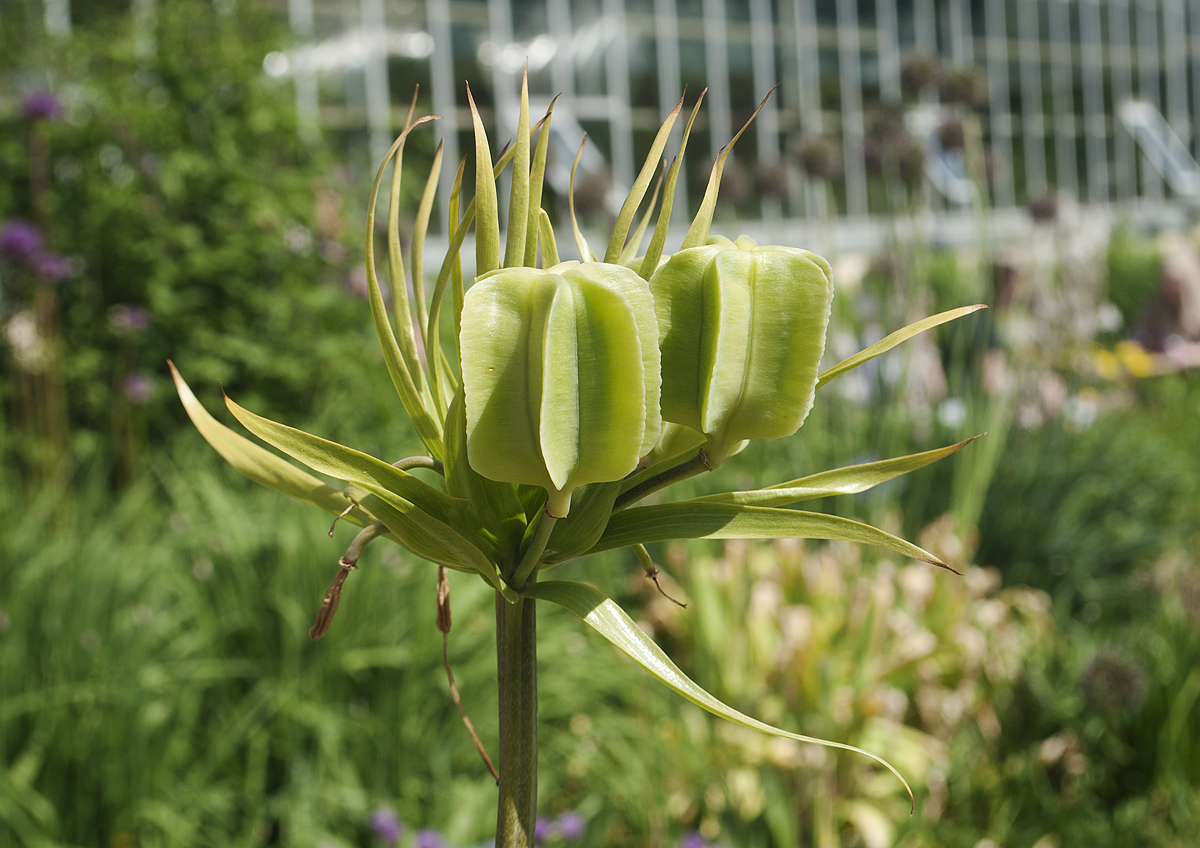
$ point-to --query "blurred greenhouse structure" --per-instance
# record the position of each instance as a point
(1093, 98)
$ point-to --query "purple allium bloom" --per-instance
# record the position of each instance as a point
(429, 838)
(543, 829)
(19, 239)
(127, 319)
(692, 839)
(387, 825)
(136, 388)
(53, 266)
(570, 825)
(40, 106)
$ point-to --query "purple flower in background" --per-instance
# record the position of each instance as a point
(127, 319)
(692, 839)
(429, 838)
(19, 239)
(543, 829)
(387, 825)
(40, 106)
(136, 388)
(53, 266)
(570, 825)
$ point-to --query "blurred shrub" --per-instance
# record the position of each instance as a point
(1079, 512)
(828, 640)
(1134, 273)
(197, 224)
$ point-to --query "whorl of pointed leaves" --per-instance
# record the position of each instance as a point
(584, 387)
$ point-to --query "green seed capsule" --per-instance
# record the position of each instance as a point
(561, 376)
(741, 330)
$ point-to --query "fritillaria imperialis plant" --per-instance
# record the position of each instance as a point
(570, 391)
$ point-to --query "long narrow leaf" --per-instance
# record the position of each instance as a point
(654, 251)
(487, 229)
(635, 241)
(536, 179)
(348, 464)
(610, 621)
(427, 537)
(692, 520)
(901, 335)
(839, 481)
(411, 394)
(585, 251)
(262, 466)
(420, 228)
(518, 198)
(400, 305)
(634, 199)
(697, 234)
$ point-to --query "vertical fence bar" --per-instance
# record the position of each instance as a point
(996, 57)
(308, 107)
(716, 61)
(57, 17)
(616, 64)
(670, 82)
(562, 68)
(1148, 67)
(1062, 80)
(1175, 54)
(1095, 124)
(808, 92)
(1121, 80)
(1194, 61)
(445, 102)
(850, 75)
(925, 19)
(375, 79)
(762, 49)
(888, 47)
(1033, 108)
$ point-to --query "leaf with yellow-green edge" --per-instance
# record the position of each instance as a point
(549, 245)
(487, 225)
(262, 466)
(417, 402)
(348, 464)
(604, 616)
(430, 538)
(400, 306)
(634, 199)
(654, 251)
(585, 252)
(698, 233)
(536, 180)
(849, 480)
(889, 342)
(420, 228)
(518, 198)
(456, 273)
(700, 520)
(630, 252)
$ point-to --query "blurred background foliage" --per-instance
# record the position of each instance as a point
(158, 686)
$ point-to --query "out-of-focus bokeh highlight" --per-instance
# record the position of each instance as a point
(187, 179)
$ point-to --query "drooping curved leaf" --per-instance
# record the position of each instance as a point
(889, 342)
(348, 464)
(262, 466)
(427, 537)
(611, 622)
(839, 481)
(699, 520)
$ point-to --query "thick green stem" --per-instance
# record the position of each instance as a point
(516, 667)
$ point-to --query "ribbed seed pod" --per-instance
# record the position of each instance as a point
(561, 375)
(741, 330)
